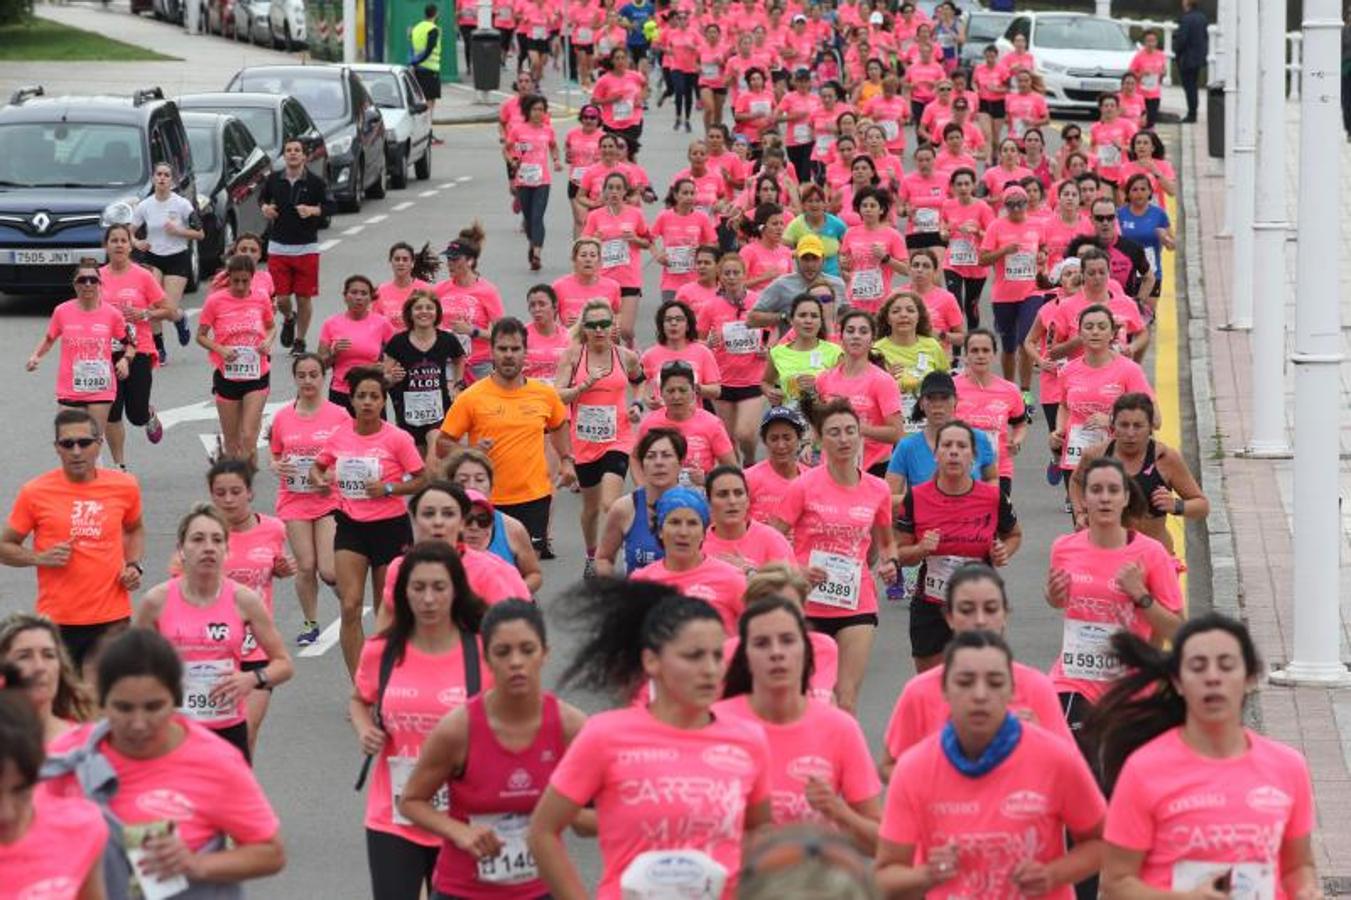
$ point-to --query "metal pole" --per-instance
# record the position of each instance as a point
(1168, 28)
(1296, 64)
(1228, 14)
(1317, 358)
(1240, 198)
(1268, 438)
(349, 31)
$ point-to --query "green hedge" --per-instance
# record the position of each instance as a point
(12, 11)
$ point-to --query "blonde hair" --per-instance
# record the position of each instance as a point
(71, 701)
(775, 578)
(201, 511)
(577, 244)
(473, 455)
(578, 329)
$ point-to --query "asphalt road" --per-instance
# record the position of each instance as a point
(308, 757)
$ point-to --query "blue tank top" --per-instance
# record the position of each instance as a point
(499, 545)
(641, 547)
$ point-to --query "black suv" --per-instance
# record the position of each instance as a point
(71, 165)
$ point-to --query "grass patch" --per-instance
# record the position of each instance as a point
(43, 39)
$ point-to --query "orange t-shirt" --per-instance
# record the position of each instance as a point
(515, 421)
(92, 516)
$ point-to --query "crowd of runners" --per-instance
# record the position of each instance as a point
(826, 421)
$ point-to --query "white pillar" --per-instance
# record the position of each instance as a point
(1102, 7)
(1228, 15)
(192, 17)
(1268, 285)
(1240, 197)
(1317, 358)
(1168, 28)
(1296, 41)
(349, 31)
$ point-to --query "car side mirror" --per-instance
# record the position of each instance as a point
(419, 107)
(236, 163)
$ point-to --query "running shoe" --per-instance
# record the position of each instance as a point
(154, 431)
(896, 590)
(183, 334)
(687, 126)
(1053, 473)
(288, 330)
(547, 551)
(309, 633)
(160, 351)
(1031, 403)
(298, 347)
(1069, 508)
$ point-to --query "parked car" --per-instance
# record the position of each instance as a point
(408, 120)
(1078, 56)
(983, 28)
(251, 21)
(286, 20)
(69, 166)
(271, 119)
(168, 10)
(230, 170)
(140, 6)
(343, 109)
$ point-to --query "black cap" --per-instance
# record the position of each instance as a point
(783, 414)
(457, 249)
(937, 383)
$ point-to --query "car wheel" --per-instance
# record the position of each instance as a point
(194, 267)
(353, 204)
(286, 42)
(377, 189)
(227, 240)
(397, 161)
(423, 167)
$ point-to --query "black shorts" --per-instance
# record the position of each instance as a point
(429, 81)
(226, 389)
(379, 541)
(537, 45)
(1006, 486)
(179, 263)
(637, 54)
(133, 392)
(833, 625)
(737, 393)
(1014, 320)
(919, 239)
(534, 515)
(717, 92)
(929, 631)
(879, 469)
(83, 640)
(573, 190)
(237, 735)
(992, 108)
(614, 462)
(630, 292)
(583, 48)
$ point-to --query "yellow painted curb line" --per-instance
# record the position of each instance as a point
(1166, 387)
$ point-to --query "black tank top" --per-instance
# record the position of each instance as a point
(1148, 478)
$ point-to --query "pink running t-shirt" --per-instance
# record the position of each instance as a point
(1018, 811)
(367, 336)
(85, 371)
(762, 261)
(389, 455)
(722, 585)
(573, 295)
(658, 787)
(993, 408)
(862, 250)
(133, 290)
(705, 436)
(478, 304)
(1086, 391)
(390, 298)
(620, 258)
(63, 842)
(695, 353)
(1196, 818)
(297, 439)
(542, 352)
(241, 323)
(680, 235)
(966, 224)
(759, 545)
(1015, 275)
(826, 743)
(253, 554)
(767, 489)
(874, 395)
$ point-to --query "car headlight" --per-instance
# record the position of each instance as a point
(1056, 68)
(340, 144)
(119, 212)
(203, 204)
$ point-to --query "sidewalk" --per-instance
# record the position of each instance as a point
(205, 63)
(1250, 529)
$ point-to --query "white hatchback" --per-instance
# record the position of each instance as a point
(287, 19)
(1078, 56)
(408, 119)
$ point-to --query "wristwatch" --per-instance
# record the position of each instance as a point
(1179, 506)
(136, 565)
(389, 489)
(260, 676)
(1144, 601)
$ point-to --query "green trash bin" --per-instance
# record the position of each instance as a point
(402, 15)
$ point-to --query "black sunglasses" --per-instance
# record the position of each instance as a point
(482, 520)
(88, 279)
(72, 443)
(1098, 218)
(598, 324)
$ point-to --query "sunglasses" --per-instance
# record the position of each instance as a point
(599, 324)
(1073, 137)
(1097, 218)
(1015, 202)
(482, 520)
(590, 118)
(88, 279)
(72, 443)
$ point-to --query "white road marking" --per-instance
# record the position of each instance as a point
(355, 229)
(462, 179)
(329, 244)
(448, 184)
(328, 637)
(431, 193)
(375, 220)
(402, 206)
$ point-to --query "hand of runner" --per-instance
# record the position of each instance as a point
(371, 740)
(887, 571)
(941, 865)
(122, 368)
(930, 540)
(1057, 588)
(479, 841)
(823, 798)
(375, 488)
(130, 577)
(32, 364)
(1055, 440)
(270, 211)
(567, 474)
(1131, 579)
(1162, 499)
(999, 553)
(229, 691)
(284, 567)
(166, 856)
(815, 574)
(55, 556)
(1032, 878)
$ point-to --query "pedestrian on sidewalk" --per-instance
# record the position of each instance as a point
(1191, 43)
(425, 38)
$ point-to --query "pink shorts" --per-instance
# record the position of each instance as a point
(297, 275)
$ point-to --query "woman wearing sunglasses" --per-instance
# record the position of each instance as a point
(594, 378)
(96, 347)
(581, 151)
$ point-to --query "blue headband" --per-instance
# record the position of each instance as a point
(681, 498)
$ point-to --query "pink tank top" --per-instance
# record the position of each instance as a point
(253, 553)
(499, 788)
(210, 641)
(600, 416)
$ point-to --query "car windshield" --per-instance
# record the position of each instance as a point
(1081, 33)
(202, 140)
(986, 28)
(384, 88)
(71, 154)
(321, 94)
(261, 122)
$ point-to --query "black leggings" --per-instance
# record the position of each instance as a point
(1077, 708)
(467, 35)
(1151, 111)
(133, 392)
(534, 201)
(399, 868)
(967, 291)
(801, 158)
(682, 85)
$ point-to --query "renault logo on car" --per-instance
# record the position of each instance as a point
(41, 221)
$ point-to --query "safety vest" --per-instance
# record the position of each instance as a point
(420, 35)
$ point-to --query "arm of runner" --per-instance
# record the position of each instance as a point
(14, 553)
(279, 668)
(133, 548)
(617, 522)
(40, 351)
(561, 438)
(553, 814)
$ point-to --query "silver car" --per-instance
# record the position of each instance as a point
(286, 20)
(408, 120)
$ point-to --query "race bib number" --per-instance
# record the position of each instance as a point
(134, 839)
(585, 36)
(891, 128)
(597, 424)
(539, 33)
(802, 133)
(246, 366)
(199, 679)
(1109, 155)
(298, 482)
(673, 875)
(353, 474)
(623, 109)
(92, 376)
(710, 70)
(926, 219)
(1086, 651)
(823, 143)
(867, 284)
(759, 108)
(423, 407)
(937, 571)
(1020, 266)
(962, 252)
(577, 173)
(400, 769)
(1080, 439)
(739, 340)
(514, 863)
(1017, 127)
(531, 174)
(844, 580)
(1149, 81)
(680, 260)
(614, 253)
(1247, 880)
